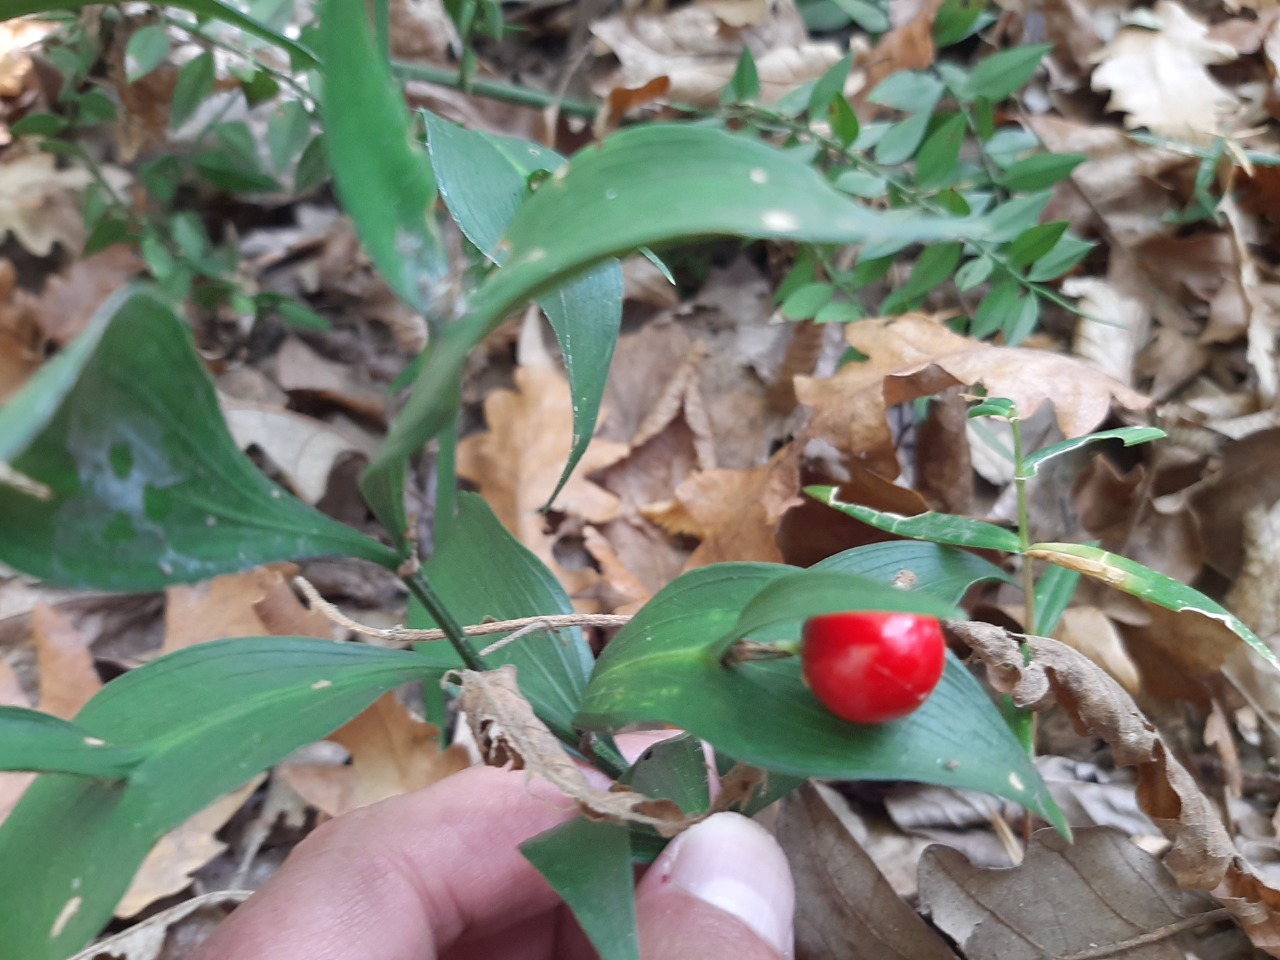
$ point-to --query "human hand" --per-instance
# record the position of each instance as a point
(436, 875)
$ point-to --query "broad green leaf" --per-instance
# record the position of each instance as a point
(974, 272)
(642, 186)
(588, 862)
(1040, 171)
(483, 180)
(760, 712)
(955, 20)
(552, 667)
(908, 90)
(31, 740)
(147, 487)
(206, 719)
(1003, 73)
(146, 50)
(211, 9)
(935, 569)
(839, 311)
(1129, 435)
(860, 184)
(382, 175)
(935, 527)
(1013, 218)
(1035, 242)
(674, 770)
(940, 151)
(1020, 323)
(781, 606)
(1141, 581)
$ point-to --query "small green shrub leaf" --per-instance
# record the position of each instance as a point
(936, 527)
(744, 85)
(938, 154)
(1040, 171)
(145, 51)
(1003, 73)
(193, 87)
(145, 485)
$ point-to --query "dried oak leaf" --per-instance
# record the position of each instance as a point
(1202, 855)
(509, 733)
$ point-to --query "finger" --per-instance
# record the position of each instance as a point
(404, 878)
(722, 890)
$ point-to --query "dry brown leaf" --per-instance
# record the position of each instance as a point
(508, 732)
(168, 867)
(1158, 78)
(844, 906)
(1112, 329)
(70, 298)
(304, 449)
(1105, 892)
(944, 462)
(172, 934)
(299, 369)
(39, 203)
(392, 752)
(1202, 856)
(67, 676)
(251, 603)
(734, 513)
(908, 46)
(1093, 633)
(518, 462)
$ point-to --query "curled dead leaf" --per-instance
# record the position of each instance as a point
(1202, 855)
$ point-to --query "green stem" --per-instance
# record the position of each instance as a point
(1024, 523)
(421, 588)
(493, 89)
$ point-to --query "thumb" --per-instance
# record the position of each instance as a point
(721, 890)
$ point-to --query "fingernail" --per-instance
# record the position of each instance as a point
(733, 863)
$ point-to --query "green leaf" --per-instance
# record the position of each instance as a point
(903, 139)
(618, 197)
(588, 863)
(955, 20)
(908, 90)
(483, 182)
(935, 264)
(1001, 407)
(1009, 220)
(147, 487)
(1040, 171)
(1129, 435)
(210, 9)
(935, 527)
(935, 569)
(1003, 73)
(830, 86)
(552, 667)
(806, 301)
(1021, 322)
(288, 131)
(674, 770)
(839, 311)
(31, 740)
(974, 272)
(1054, 590)
(744, 85)
(760, 712)
(146, 50)
(193, 87)
(388, 190)
(39, 125)
(844, 122)
(937, 158)
(1066, 253)
(205, 719)
(1035, 242)
(861, 184)
(1141, 581)
(1001, 303)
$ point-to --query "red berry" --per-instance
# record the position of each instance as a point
(871, 666)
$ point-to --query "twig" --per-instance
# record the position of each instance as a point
(403, 636)
(493, 89)
(1152, 936)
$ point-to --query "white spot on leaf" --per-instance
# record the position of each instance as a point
(758, 176)
(1015, 781)
(321, 684)
(69, 910)
(94, 742)
(779, 220)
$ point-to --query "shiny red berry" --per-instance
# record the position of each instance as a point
(871, 666)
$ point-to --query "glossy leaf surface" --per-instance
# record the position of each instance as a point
(206, 719)
(147, 486)
(760, 712)
(933, 568)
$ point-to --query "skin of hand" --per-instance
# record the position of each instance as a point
(436, 875)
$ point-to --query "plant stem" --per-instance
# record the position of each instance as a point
(1024, 525)
(493, 89)
(426, 594)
